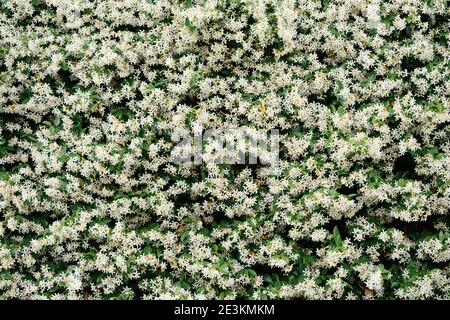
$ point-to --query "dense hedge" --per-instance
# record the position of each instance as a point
(93, 95)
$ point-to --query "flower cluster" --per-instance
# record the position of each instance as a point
(94, 93)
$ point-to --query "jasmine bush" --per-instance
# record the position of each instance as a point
(95, 95)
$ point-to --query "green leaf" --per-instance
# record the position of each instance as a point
(188, 23)
(188, 4)
(57, 121)
(337, 237)
(64, 65)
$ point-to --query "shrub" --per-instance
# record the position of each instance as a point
(95, 96)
